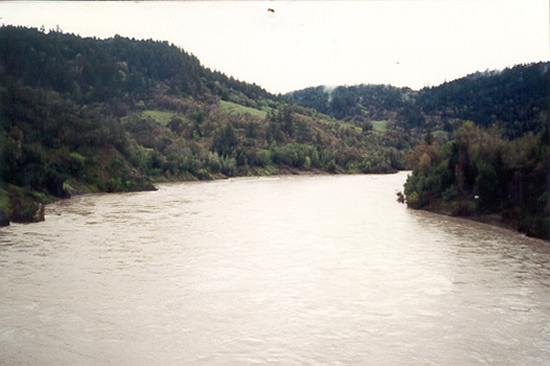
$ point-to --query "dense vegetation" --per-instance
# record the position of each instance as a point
(84, 114)
(515, 99)
(359, 103)
(484, 150)
(480, 173)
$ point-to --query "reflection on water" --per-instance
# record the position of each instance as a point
(317, 270)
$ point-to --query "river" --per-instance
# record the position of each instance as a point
(290, 270)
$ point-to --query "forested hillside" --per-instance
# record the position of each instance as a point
(497, 162)
(479, 173)
(358, 103)
(483, 141)
(83, 114)
(515, 99)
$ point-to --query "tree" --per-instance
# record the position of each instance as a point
(486, 185)
(428, 138)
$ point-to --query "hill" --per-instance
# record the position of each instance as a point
(516, 99)
(482, 141)
(84, 114)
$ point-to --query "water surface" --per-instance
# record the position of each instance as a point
(306, 270)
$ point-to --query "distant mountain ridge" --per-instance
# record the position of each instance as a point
(94, 70)
(517, 99)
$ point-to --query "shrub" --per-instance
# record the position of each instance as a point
(413, 201)
(449, 194)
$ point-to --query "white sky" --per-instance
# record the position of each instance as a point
(412, 43)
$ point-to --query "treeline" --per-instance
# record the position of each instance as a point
(516, 99)
(480, 173)
(83, 114)
(211, 141)
(88, 70)
(359, 103)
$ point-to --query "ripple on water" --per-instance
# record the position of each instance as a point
(284, 270)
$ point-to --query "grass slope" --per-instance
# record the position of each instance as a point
(231, 107)
(379, 126)
(162, 117)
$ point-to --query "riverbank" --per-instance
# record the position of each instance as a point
(24, 205)
(533, 227)
(20, 205)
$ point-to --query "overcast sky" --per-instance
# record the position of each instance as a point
(413, 43)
